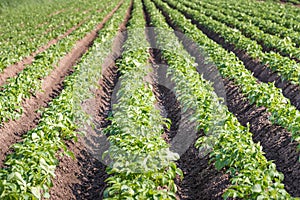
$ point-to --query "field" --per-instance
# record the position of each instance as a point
(150, 99)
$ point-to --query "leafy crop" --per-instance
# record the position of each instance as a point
(28, 82)
(29, 169)
(253, 177)
(142, 164)
(262, 94)
(287, 68)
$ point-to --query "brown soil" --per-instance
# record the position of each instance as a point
(13, 70)
(201, 179)
(84, 177)
(275, 140)
(56, 12)
(80, 178)
(12, 131)
(262, 72)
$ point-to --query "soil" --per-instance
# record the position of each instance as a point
(275, 140)
(12, 131)
(13, 70)
(84, 177)
(56, 12)
(201, 179)
(80, 178)
(262, 72)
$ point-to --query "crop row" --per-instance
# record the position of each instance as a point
(288, 69)
(29, 169)
(29, 81)
(270, 42)
(142, 165)
(261, 10)
(22, 40)
(262, 94)
(265, 25)
(231, 143)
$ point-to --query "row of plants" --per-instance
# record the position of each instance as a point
(141, 165)
(270, 42)
(265, 25)
(232, 148)
(284, 8)
(262, 94)
(6, 5)
(257, 9)
(29, 81)
(288, 69)
(289, 1)
(291, 11)
(19, 41)
(30, 168)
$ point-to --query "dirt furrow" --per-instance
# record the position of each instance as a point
(201, 179)
(275, 140)
(84, 177)
(12, 131)
(12, 70)
(262, 72)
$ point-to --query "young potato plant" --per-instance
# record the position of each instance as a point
(265, 25)
(142, 165)
(272, 42)
(287, 68)
(29, 170)
(24, 32)
(252, 176)
(28, 82)
(268, 12)
(262, 94)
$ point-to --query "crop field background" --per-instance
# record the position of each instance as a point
(149, 99)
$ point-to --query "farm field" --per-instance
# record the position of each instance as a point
(150, 99)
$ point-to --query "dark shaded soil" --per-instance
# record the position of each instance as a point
(275, 140)
(84, 177)
(12, 131)
(262, 72)
(201, 179)
(286, 1)
(79, 178)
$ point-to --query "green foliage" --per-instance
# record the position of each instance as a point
(216, 19)
(28, 82)
(142, 164)
(29, 169)
(253, 177)
(262, 94)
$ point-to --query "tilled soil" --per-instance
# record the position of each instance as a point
(84, 177)
(262, 72)
(12, 131)
(201, 179)
(275, 140)
(79, 178)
